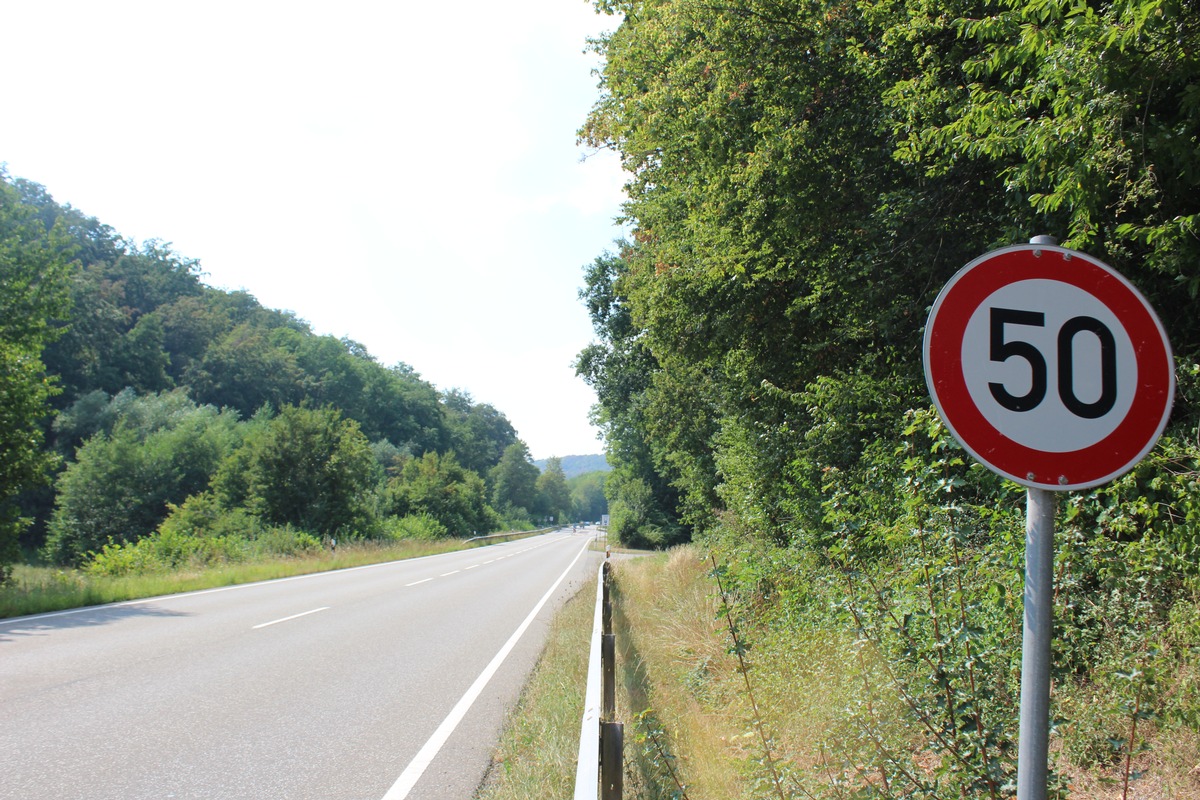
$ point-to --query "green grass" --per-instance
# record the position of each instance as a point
(37, 590)
(540, 745)
(686, 710)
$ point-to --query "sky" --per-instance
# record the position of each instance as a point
(402, 174)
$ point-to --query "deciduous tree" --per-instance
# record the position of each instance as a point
(310, 468)
(34, 274)
(514, 481)
(160, 449)
(440, 487)
(554, 496)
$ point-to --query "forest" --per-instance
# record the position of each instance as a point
(803, 178)
(151, 422)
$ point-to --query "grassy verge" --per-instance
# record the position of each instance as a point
(37, 590)
(665, 624)
(691, 730)
(539, 747)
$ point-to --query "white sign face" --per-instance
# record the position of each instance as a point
(1058, 348)
(1048, 366)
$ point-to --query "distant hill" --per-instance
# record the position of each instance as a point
(578, 465)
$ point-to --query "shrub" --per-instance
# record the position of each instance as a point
(421, 527)
(202, 516)
(115, 560)
(123, 483)
(308, 468)
(286, 541)
(438, 486)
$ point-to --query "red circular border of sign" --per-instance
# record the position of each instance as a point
(1091, 466)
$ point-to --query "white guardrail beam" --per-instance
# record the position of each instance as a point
(587, 771)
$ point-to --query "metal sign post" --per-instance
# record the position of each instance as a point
(1033, 746)
(1053, 371)
(1033, 742)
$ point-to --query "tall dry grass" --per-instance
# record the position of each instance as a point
(678, 679)
(688, 700)
(818, 692)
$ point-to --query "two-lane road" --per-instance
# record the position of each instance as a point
(383, 681)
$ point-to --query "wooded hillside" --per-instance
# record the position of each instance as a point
(151, 421)
(804, 179)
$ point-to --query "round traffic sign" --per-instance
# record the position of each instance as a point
(1048, 366)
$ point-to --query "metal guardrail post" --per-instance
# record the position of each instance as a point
(607, 609)
(608, 654)
(608, 683)
(612, 760)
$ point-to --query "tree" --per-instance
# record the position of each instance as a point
(310, 468)
(404, 409)
(438, 486)
(622, 369)
(114, 339)
(479, 433)
(514, 481)
(190, 324)
(803, 178)
(244, 370)
(554, 496)
(160, 449)
(142, 324)
(587, 496)
(1088, 113)
(778, 245)
(34, 274)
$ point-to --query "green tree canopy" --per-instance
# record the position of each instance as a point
(34, 274)
(622, 369)
(438, 486)
(803, 179)
(310, 468)
(159, 449)
(479, 433)
(554, 496)
(514, 481)
(141, 324)
(588, 502)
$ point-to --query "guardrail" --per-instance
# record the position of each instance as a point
(599, 770)
(511, 534)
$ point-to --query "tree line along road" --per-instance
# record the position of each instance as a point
(341, 685)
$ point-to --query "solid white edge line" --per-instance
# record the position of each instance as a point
(424, 757)
(293, 616)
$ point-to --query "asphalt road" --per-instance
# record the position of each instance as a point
(340, 686)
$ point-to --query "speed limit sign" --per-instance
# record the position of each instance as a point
(1048, 366)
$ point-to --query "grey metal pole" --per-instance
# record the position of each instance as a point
(1033, 747)
(1034, 741)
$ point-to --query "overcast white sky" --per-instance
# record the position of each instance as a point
(404, 174)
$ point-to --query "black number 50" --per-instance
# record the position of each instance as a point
(1002, 350)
